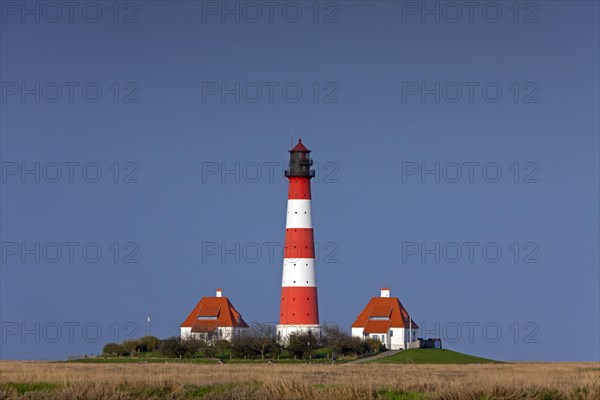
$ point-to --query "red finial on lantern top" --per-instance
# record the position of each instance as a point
(300, 148)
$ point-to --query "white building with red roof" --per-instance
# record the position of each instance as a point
(213, 315)
(386, 319)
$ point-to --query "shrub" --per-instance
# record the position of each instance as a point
(302, 344)
(172, 347)
(114, 349)
(148, 343)
(240, 345)
(221, 346)
(374, 345)
(131, 346)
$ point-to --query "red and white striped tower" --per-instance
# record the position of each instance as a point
(299, 310)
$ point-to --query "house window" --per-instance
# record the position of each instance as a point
(391, 333)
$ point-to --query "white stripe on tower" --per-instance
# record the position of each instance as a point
(298, 272)
(298, 214)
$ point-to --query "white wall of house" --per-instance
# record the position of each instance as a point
(385, 338)
(415, 335)
(225, 332)
(394, 339)
(382, 337)
(397, 338)
(357, 332)
(185, 332)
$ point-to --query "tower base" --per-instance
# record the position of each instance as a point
(284, 331)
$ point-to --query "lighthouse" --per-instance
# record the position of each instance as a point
(299, 310)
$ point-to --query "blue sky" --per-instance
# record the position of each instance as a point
(457, 163)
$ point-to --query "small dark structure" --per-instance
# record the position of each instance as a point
(433, 343)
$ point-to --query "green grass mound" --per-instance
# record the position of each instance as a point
(432, 356)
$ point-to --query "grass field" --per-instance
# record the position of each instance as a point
(319, 356)
(432, 356)
(162, 360)
(543, 381)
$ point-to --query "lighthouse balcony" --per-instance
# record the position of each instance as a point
(310, 173)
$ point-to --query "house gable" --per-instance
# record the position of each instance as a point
(382, 310)
(211, 313)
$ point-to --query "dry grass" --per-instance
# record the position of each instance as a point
(35, 380)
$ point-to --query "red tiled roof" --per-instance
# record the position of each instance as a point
(398, 318)
(377, 326)
(219, 308)
(379, 311)
(208, 311)
(204, 326)
(300, 147)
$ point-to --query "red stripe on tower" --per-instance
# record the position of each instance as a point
(299, 311)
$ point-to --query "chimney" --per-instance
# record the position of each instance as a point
(385, 292)
(219, 292)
